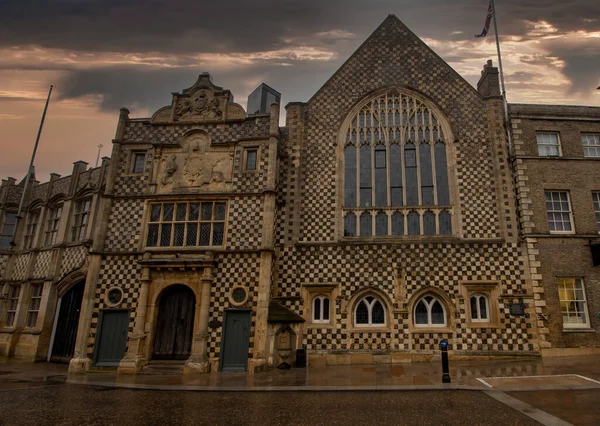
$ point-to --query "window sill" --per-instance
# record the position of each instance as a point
(368, 329)
(483, 325)
(426, 330)
(7, 330)
(171, 249)
(579, 330)
(315, 325)
(34, 331)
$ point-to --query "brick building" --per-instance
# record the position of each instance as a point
(379, 220)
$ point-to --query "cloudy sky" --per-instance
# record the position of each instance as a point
(104, 54)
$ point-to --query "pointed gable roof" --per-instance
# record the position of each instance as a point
(394, 56)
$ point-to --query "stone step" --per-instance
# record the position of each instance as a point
(166, 367)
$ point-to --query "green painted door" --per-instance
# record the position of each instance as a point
(111, 341)
(236, 339)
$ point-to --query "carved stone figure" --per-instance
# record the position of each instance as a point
(184, 110)
(169, 170)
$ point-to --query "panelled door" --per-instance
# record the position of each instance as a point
(65, 333)
(112, 337)
(236, 340)
(175, 323)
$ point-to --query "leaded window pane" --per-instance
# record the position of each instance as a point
(483, 307)
(325, 309)
(207, 211)
(381, 225)
(377, 313)
(380, 177)
(194, 211)
(365, 176)
(218, 232)
(445, 223)
(414, 225)
(441, 175)
(366, 225)
(155, 213)
(317, 309)
(437, 313)
(350, 177)
(350, 225)
(421, 315)
(428, 223)
(192, 234)
(220, 211)
(473, 301)
(181, 210)
(152, 235)
(165, 235)
(205, 234)
(426, 175)
(168, 212)
(362, 313)
(412, 187)
(397, 224)
(178, 234)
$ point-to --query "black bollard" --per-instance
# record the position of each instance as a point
(445, 368)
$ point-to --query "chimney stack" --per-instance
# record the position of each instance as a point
(489, 83)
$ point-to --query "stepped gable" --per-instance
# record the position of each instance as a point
(202, 102)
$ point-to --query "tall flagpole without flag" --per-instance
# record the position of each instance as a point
(30, 169)
(506, 120)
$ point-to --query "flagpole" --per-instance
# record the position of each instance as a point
(29, 170)
(506, 120)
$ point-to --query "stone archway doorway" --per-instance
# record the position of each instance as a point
(175, 324)
(67, 322)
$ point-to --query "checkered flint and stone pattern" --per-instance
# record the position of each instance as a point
(393, 56)
(241, 269)
(3, 263)
(127, 183)
(42, 264)
(124, 225)
(255, 180)
(40, 192)
(61, 187)
(441, 266)
(73, 258)
(244, 229)
(20, 269)
(116, 271)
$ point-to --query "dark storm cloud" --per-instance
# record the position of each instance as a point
(240, 25)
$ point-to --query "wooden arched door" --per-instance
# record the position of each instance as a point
(65, 330)
(175, 323)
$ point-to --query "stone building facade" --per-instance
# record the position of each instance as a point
(381, 219)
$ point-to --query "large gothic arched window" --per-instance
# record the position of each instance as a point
(395, 170)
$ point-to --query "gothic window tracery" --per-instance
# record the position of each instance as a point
(395, 170)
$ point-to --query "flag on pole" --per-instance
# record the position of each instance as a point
(488, 20)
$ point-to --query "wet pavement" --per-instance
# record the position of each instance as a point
(553, 391)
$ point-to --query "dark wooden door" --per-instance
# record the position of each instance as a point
(175, 323)
(65, 334)
(112, 337)
(236, 339)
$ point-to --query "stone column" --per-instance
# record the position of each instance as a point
(198, 361)
(134, 359)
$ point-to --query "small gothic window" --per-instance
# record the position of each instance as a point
(320, 309)
(479, 308)
(429, 312)
(369, 311)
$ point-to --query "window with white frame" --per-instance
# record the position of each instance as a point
(320, 310)
(395, 162)
(480, 308)
(369, 312)
(596, 200)
(34, 304)
(13, 304)
(548, 144)
(52, 225)
(33, 217)
(558, 209)
(188, 224)
(138, 159)
(573, 306)
(429, 312)
(81, 217)
(591, 145)
(8, 228)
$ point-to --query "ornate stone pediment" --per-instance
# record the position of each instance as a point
(195, 166)
(202, 102)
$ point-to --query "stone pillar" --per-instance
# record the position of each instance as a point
(135, 359)
(198, 361)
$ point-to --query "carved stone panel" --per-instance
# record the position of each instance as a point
(196, 166)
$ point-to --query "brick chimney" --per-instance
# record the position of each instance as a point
(489, 83)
